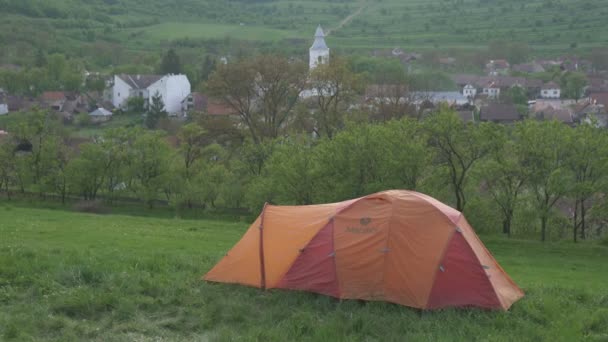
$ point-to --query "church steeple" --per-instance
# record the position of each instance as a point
(319, 52)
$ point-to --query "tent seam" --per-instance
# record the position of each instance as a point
(437, 270)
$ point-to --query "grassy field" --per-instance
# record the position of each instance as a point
(70, 277)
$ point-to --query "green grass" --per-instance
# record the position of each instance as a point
(70, 277)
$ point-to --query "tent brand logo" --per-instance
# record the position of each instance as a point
(363, 228)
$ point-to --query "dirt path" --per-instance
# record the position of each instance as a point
(348, 19)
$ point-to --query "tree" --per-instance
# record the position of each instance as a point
(588, 163)
(156, 112)
(8, 166)
(263, 91)
(292, 167)
(573, 85)
(544, 157)
(136, 105)
(150, 166)
(86, 173)
(505, 176)
(515, 95)
(334, 85)
(171, 63)
(208, 67)
(191, 143)
(458, 147)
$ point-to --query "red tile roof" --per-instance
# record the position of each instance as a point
(53, 96)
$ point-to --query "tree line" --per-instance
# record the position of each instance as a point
(538, 178)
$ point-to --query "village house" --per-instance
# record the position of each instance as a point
(499, 113)
(564, 115)
(497, 67)
(492, 86)
(469, 91)
(528, 68)
(194, 103)
(550, 90)
(172, 89)
(53, 100)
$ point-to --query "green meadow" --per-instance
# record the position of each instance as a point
(67, 276)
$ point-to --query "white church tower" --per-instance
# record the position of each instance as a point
(319, 52)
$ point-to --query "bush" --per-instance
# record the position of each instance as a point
(93, 207)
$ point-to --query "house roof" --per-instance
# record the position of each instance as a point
(386, 90)
(51, 96)
(498, 81)
(440, 96)
(499, 112)
(466, 115)
(100, 112)
(550, 113)
(529, 67)
(17, 103)
(499, 63)
(550, 85)
(140, 81)
(600, 98)
(217, 108)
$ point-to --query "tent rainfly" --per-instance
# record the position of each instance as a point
(397, 246)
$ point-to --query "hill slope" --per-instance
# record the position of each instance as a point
(139, 25)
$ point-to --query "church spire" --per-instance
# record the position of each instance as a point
(319, 52)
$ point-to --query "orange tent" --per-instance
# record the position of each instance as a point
(397, 246)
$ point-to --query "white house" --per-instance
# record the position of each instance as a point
(172, 88)
(492, 90)
(319, 52)
(550, 91)
(3, 109)
(469, 91)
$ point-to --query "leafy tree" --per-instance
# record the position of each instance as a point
(208, 67)
(171, 63)
(334, 86)
(516, 95)
(86, 173)
(156, 112)
(150, 166)
(191, 143)
(8, 166)
(504, 175)
(587, 161)
(458, 147)
(136, 104)
(263, 91)
(544, 158)
(292, 167)
(573, 85)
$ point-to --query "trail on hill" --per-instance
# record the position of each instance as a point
(349, 18)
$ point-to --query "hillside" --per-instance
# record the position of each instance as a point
(69, 276)
(100, 26)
